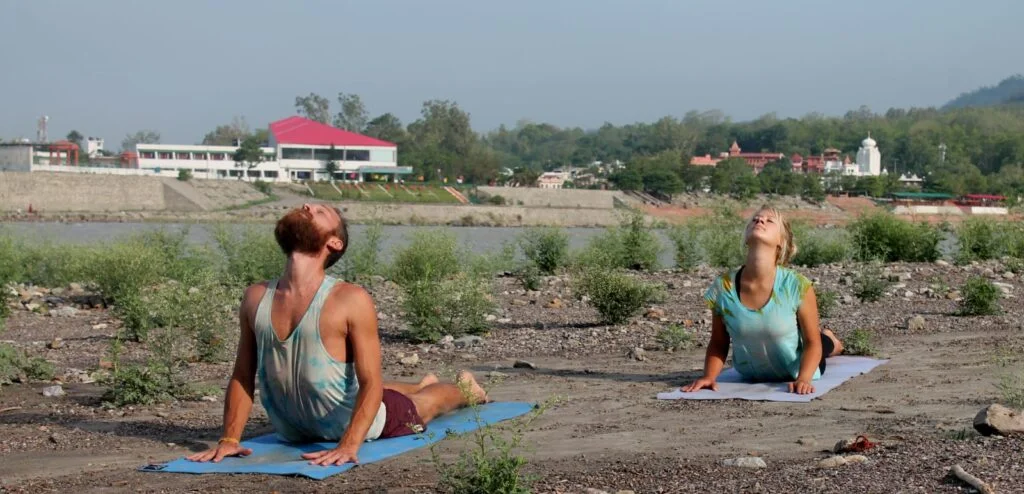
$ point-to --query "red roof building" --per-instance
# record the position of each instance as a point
(303, 131)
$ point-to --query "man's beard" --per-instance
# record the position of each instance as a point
(296, 232)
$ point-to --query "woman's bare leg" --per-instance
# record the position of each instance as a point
(408, 389)
(837, 345)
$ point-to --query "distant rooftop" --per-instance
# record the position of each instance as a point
(299, 130)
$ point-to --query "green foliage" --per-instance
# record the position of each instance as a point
(263, 187)
(455, 306)
(363, 259)
(546, 248)
(817, 247)
(674, 337)
(250, 254)
(249, 154)
(870, 285)
(137, 385)
(529, 276)
(430, 255)
(827, 302)
(1011, 386)
(184, 175)
(723, 239)
(496, 200)
(632, 245)
(983, 238)
(884, 237)
(980, 298)
(859, 342)
(16, 365)
(686, 239)
(616, 295)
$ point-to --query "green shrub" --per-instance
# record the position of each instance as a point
(16, 365)
(870, 285)
(5, 300)
(430, 255)
(1015, 265)
(137, 385)
(977, 239)
(980, 298)
(884, 237)
(859, 342)
(617, 296)
(529, 276)
(546, 248)
(827, 302)
(686, 240)
(674, 337)
(1011, 386)
(263, 187)
(453, 306)
(184, 175)
(632, 245)
(363, 259)
(250, 255)
(817, 247)
(497, 200)
(723, 239)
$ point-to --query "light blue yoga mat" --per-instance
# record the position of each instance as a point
(731, 384)
(272, 456)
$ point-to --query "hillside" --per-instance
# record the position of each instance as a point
(1010, 90)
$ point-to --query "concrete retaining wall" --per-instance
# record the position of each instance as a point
(440, 214)
(555, 198)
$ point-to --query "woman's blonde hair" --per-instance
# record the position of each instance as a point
(787, 248)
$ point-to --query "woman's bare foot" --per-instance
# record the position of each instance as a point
(476, 391)
(428, 379)
(835, 342)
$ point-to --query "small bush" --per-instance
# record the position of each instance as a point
(859, 342)
(430, 255)
(529, 276)
(980, 298)
(546, 248)
(617, 296)
(723, 239)
(817, 247)
(263, 187)
(674, 337)
(884, 237)
(496, 200)
(827, 302)
(5, 308)
(250, 255)
(978, 239)
(1011, 386)
(686, 240)
(454, 306)
(870, 285)
(1015, 266)
(137, 385)
(632, 245)
(363, 259)
(184, 175)
(16, 365)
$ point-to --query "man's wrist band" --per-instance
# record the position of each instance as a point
(228, 440)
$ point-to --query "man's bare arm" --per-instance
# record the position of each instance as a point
(365, 347)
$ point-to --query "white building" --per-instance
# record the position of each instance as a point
(93, 146)
(552, 180)
(869, 158)
(299, 149)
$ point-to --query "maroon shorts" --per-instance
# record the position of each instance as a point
(400, 416)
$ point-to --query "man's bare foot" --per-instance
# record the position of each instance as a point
(428, 379)
(476, 391)
(835, 342)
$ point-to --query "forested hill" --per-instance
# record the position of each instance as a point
(1010, 90)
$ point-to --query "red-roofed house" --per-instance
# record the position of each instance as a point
(298, 149)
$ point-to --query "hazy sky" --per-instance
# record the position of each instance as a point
(109, 67)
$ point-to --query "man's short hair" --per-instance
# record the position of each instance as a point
(342, 233)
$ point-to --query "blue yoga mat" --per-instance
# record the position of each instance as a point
(270, 455)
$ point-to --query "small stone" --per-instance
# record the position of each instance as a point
(64, 312)
(162, 415)
(522, 364)
(745, 462)
(915, 323)
(53, 391)
(446, 340)
(591, 490)
(624, 491)
(1008, 275)
(491, 318)
(555, 303)
(941, 262)
(55, 344)
(468, 341)
(497, 375)
(413, 359)
(656, 314)
(997, 419)
(520, 302)
(953, 295)
(504, 320)
(838, 461)
(97, 327)
(56, 438)
(32, 307)
(193, 290)
(211, 399)
(637, 354)
(75, 287)
(848, 300)
(105, 364)
(807, 441)
(381, 316)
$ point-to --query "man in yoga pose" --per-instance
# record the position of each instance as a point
(769, 313)
(312, 342)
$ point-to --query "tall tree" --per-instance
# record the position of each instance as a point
(353, 115)
(386, 127)
(75, 137)
(314, 107)
(228, 134)
(331, 166)
(249, 155)
(140, 137)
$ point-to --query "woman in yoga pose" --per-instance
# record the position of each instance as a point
(768, 313)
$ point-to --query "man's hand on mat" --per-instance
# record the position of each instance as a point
(801, 387)
(700, 384)
(223, 450)
(337, 456)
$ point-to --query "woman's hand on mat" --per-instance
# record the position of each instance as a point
(801, 387)
(699, 384)
(337, 456)
(221, 451)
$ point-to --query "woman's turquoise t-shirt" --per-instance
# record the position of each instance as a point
(766, 341)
